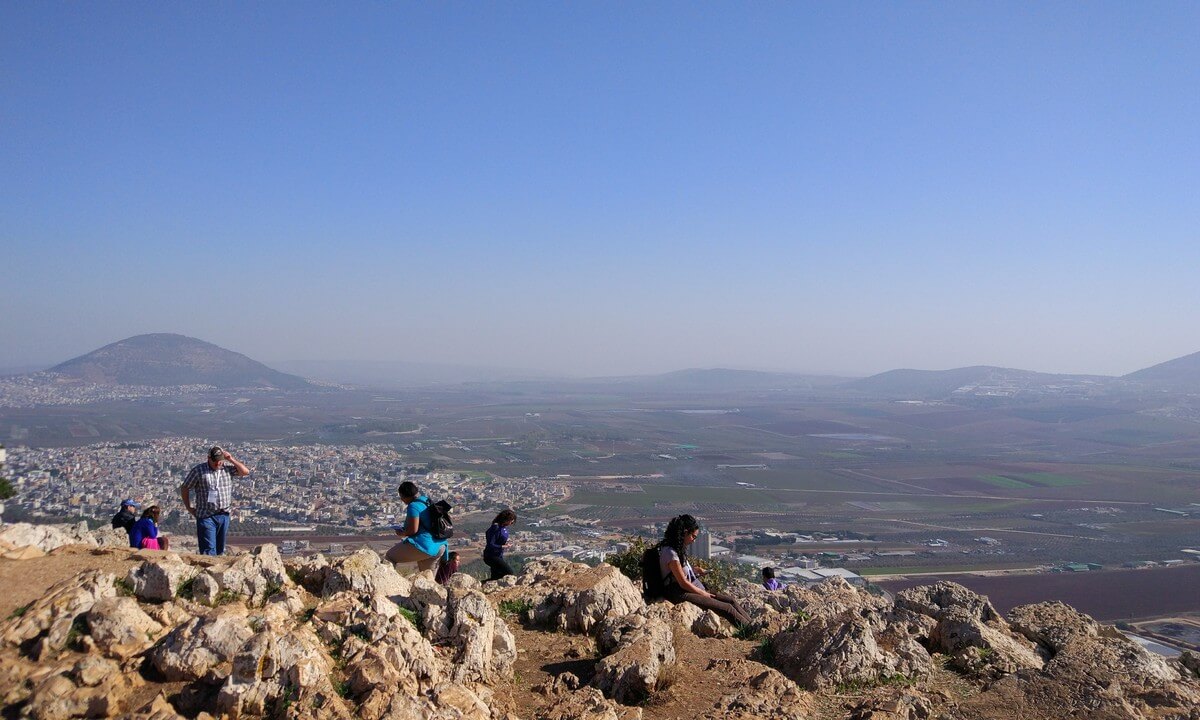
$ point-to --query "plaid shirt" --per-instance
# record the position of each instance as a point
(212, 490)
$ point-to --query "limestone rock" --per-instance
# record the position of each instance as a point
(639, 650)
(969, 630)
(827, 651)
(365, 573)
(455, 702)
(895, 705)
(275, 665)
(47, 537)
(684, 614)
(50, 619)
(197, 649)
(559, 685)
(57, 696)
(710, 625)
(587, 704)
(92, 670)
(570, 596)
(119, 627)
(934, 600)
(253, 576)
(159, 580)
(425, 590)
(20, 552)
(762, 693)
(1094, 672)
(463, 581)
(1190, 663)
(1054, 625)
(984, 649)
(485, 648)
(309, 571)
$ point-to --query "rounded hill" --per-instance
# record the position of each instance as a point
(169, 359)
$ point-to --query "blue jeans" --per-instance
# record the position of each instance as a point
(210, 533)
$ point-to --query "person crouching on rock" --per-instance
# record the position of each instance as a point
(497, 539)
(127, 517)
(681, 583)
(769, 581)
(418, 544)
(144, 533)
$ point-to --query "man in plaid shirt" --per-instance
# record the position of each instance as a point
(210, 484)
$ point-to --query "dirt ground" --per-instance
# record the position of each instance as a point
(689, 691)
(23, 581)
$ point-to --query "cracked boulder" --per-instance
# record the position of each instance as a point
(253, 577)
(569, 596)
(159, 580)
(638, 651)
(119, 628)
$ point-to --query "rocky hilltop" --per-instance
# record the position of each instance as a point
(97, 630)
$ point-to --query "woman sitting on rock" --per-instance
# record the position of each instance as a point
(418, 544)
(144, 533)
(681, 583)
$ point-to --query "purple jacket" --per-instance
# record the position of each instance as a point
(497, 538)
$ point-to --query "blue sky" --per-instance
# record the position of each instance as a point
(603, 188)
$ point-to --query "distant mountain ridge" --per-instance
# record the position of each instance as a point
(940, 383)
(1182, 373)
(163, 359)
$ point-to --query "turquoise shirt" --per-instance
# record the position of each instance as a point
(423, 540)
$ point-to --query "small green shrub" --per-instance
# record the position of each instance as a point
(226, 597)
(284, 703)
(19, 611)
(897, 680)
(124, 587)
(342, 687)
(747, 632)
(515, 607)
(413, 617)
(187, 589)
(766, 652)
(629, 562)
(271, 590)
(79, 628)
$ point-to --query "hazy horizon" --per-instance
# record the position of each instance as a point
(596, 190)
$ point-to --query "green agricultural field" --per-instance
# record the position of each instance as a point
(654, 494)
(1004, 482)
(1045, 479)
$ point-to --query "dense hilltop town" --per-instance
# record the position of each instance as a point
(50, 389)
(350, 486)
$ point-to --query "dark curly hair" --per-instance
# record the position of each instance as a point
(506, 515)
(677, 529)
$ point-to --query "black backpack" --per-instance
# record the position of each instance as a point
(441, 527)
(653, 586)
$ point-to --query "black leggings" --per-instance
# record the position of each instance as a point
(499, 567)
